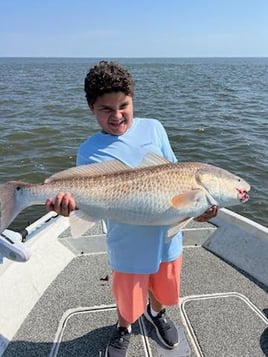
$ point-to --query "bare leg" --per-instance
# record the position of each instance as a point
(155, 304)
(121, 321)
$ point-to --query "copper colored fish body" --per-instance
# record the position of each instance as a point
(156, 193)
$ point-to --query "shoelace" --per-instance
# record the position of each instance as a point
(163, 318)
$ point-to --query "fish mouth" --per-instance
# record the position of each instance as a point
(242, 195)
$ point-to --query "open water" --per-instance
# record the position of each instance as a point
(215, 110)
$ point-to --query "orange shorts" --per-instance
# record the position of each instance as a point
(131, 290)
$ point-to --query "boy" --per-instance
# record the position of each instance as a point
(143, 262)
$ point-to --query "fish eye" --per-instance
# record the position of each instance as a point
(18, 188)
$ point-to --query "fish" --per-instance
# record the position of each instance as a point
(155, 193)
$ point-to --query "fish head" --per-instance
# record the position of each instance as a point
(223, 188)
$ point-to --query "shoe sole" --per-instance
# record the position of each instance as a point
(148, 317)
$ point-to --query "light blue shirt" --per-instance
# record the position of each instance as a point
(134, 248)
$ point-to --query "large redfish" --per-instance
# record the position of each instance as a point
(156, 193)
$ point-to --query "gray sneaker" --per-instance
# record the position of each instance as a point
(119, 342)
(165, 329)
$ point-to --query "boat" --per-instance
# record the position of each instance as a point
(56, 292)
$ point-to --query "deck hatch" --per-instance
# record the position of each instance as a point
(225, 325)
(86, 331)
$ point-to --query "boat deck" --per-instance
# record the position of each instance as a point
(223, 311)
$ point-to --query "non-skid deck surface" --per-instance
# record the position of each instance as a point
(222, 311)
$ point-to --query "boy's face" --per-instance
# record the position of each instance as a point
(114, 112)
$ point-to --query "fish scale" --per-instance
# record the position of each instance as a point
(154, 194)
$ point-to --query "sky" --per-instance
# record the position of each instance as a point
(133, 28)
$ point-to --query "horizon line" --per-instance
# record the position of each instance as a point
(136, 57)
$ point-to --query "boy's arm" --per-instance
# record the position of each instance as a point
(166, 148)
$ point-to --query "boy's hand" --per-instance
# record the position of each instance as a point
(210, 213)
(63, 204)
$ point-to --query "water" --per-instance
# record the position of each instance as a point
(214, 110)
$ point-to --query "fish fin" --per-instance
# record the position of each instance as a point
(80, 223)
(186, 199)
(10, 205)
(173, 230)
(102, 168)
(152, 159)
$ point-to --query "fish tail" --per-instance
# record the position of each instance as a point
(12, 202)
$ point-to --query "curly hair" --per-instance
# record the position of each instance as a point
(107, 77)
